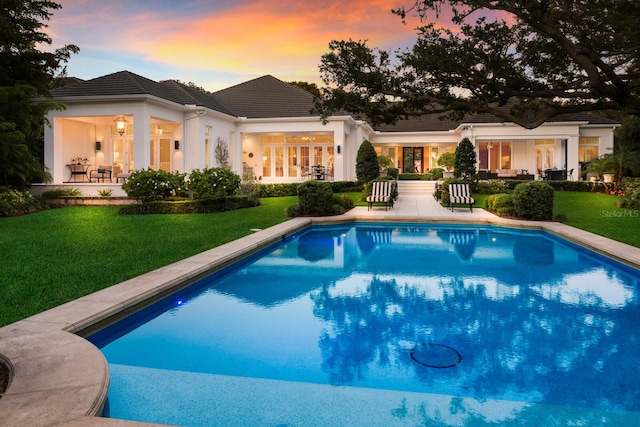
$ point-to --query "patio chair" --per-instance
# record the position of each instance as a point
(380, 193)
(459, 194)
(100, 174)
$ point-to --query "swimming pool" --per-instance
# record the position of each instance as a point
(389, 324)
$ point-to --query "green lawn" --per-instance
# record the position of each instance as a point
(58, 255)
(598, 214)
(593, 212)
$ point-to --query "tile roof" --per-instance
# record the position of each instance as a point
(266, 97)
(191, 96)
(120, 83)
(433, 123)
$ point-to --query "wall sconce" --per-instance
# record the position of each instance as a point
(121, 124)
(176, 144)
(98, 146)
(339, 149)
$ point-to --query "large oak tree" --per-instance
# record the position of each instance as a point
(26, 73)
(524, 61)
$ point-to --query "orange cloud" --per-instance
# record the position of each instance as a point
(260, 38)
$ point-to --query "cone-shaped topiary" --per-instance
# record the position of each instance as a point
(465, 163)
(367, 167)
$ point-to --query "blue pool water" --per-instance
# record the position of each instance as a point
(370, 324)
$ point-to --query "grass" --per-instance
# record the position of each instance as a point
(56, 256)
(598, 214)
(594, 212)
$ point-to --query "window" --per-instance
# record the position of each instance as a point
(207, 146)
(293, 161)
(287, 156)
(393, 154)
(266, 161)
(494, 155)
(588, 149)
(279, 161)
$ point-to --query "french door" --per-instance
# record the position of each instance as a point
(160, 154)
(122, 155)
(412, 159)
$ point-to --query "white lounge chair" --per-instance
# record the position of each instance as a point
(380, 193)
(459, 194)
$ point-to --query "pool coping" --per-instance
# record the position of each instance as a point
(59, 378)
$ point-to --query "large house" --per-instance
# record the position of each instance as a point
(122, 122)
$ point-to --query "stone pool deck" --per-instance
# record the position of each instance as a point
(58, 378)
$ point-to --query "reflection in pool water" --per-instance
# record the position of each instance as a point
(537, 324)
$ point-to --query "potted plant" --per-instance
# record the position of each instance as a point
(384, 162)
(447, 161)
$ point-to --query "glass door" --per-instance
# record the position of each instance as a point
(160, 154)
(412, 159)
(122, 155)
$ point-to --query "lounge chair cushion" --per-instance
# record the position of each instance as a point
(459, 194)
(380, 193)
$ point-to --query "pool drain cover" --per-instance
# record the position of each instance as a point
(436, 355)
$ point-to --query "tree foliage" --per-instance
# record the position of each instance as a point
(26, 73)
(464, 165)
(312, 88)
(367, 167)
(524, 61)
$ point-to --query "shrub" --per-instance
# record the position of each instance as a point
(501, 203)
(105, 192)
(149, 185)
(213, 183)
(15, 202)
(436, 173)
(367, 167)
(316, 199)
(631, 201)
(629, 186)
(293, 211)
(492, 186)
(344, 201)
(393, 172)
(533, 200)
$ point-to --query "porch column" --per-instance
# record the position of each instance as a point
(235, 152)
(53, 149)
(339, 142)
(573, 143)
(141, 140)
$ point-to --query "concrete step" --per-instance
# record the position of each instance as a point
(416, 187)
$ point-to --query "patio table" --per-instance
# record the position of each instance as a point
(79, 169)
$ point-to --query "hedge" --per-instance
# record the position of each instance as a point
(190, 206)
(415, 177)
(291, 189)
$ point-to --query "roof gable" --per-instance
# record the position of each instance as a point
(266, 97)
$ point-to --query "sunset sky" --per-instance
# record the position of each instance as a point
(219, 43)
